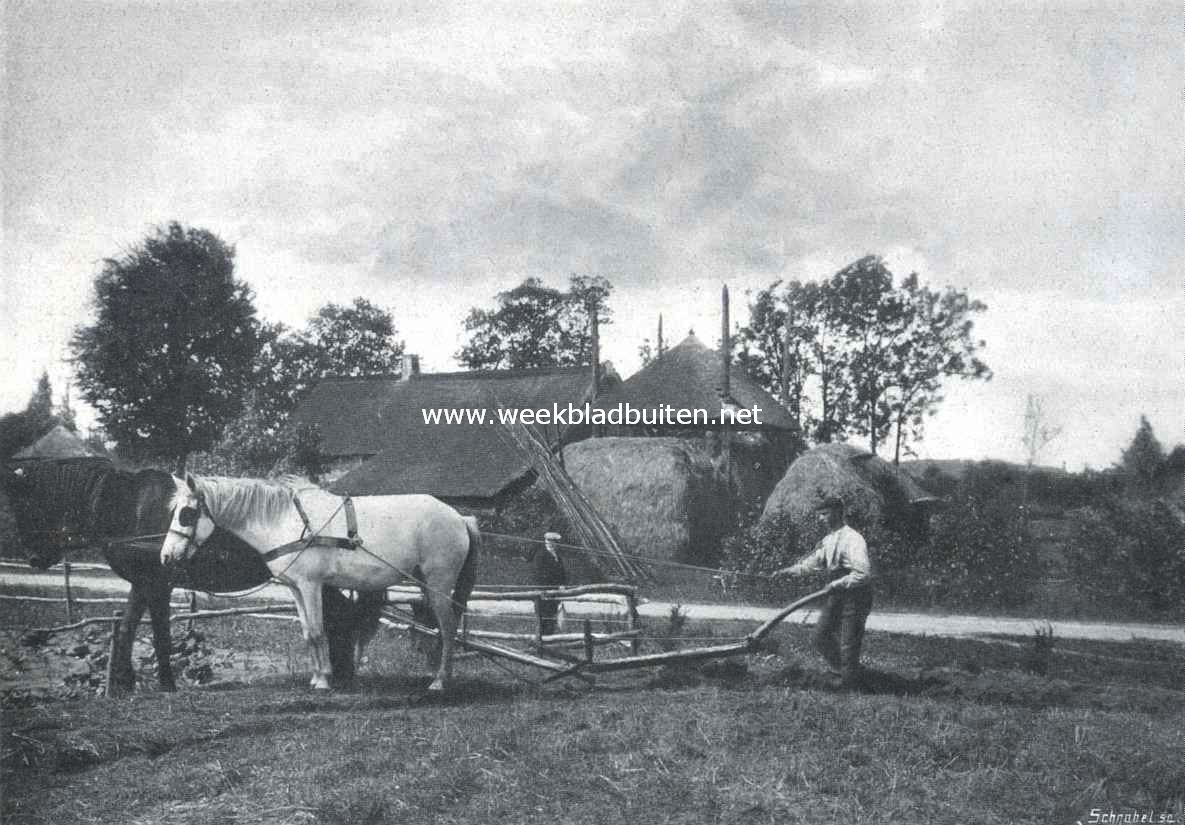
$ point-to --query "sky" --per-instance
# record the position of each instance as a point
(427, 156)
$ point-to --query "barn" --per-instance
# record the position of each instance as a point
(375, 433)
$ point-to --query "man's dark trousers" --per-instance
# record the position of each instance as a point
(839, 633)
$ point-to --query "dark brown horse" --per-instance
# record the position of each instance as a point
(60, 505)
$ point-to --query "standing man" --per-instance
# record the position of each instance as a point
(549, 572)
(843, 553)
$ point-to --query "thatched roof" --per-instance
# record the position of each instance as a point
(871, 487)
(662, 495)
(381, 420)
(690, 376)
(58, 443)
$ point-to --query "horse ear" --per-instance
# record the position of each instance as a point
(192, 484)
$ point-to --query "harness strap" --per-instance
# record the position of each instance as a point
(351, 520)
(304, 516)
(312, 541)
(353, 542)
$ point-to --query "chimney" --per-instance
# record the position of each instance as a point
(411, 366)
(725, 343)
(594, 321)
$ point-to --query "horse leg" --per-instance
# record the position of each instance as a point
(368, 611)
(446, 626)
(123, 677)
(314, 634)
(339, 617)
(162, 640)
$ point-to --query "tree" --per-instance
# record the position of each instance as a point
(66, 412)
(793, 344)
(857, 354)
(937, 345)
(172, 350)
(537, 326)
(343, 340)
(19, 430)
(1038, 431)
(1143, 460)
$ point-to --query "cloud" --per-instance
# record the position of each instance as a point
(430, 156)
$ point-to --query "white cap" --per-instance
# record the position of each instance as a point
(552, 537)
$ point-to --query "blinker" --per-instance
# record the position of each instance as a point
(188, 516)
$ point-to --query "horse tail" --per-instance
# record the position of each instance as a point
(467, 578)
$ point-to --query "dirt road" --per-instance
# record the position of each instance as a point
(97, 584)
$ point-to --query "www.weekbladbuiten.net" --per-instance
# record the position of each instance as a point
(569, 414)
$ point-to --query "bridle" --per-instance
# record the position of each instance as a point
(189, 517)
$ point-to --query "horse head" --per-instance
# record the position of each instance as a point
(191, 523)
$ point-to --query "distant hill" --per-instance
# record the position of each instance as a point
(955, 469)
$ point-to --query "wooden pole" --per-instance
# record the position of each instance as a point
(192, 609)
(725, 344)
(632, 607)
(588, 641)
(69, 594)
(111, 651)
(538, 622)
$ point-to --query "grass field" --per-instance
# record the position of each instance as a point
(947, 731)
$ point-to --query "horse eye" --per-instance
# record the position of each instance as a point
(188, 517)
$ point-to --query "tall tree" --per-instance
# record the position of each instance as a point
(343, 340)
(795, 345)
(857, 354)
(66, 412)
(1143, 460)
(20, 429)
(40, 407)
(939, 344)
(536, 326)
(172, 350)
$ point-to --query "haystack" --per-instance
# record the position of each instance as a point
(875, 492)
(57, 444)
(663, 496)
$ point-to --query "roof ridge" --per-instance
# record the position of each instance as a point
(515, 372)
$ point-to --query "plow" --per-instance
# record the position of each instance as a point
(579, 654)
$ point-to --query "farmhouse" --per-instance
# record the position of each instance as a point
(377, 432)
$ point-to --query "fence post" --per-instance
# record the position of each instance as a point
(69, 594)
(632, 607)
(111, 652)
(588, 641)
(192, 608)
(538, 621)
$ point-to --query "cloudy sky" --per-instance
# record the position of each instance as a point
(427, 157)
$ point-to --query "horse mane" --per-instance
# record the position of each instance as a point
(242, 502)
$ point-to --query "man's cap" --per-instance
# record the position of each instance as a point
(831, 503)
(552, 536)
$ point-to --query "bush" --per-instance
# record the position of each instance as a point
(757, 550)
(1130, 553)
(248, 448)
(977, 553)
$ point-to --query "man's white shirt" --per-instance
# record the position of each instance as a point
(842, 548)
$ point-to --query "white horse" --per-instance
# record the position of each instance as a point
(301, 534)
